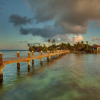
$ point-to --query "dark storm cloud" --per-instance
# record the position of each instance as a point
(47, 31)
(18, 20)
(43, 32)
(72, 16)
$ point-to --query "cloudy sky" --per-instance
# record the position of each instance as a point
(34, 21)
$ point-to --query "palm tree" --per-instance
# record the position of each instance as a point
(82, 45)
(82, 42)
(39, 44)
(53, 41)
(29, 45)
(87, 44)
(68, 46)
(49, 42)
(78, 46)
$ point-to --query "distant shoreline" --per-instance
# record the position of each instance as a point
(14, 50)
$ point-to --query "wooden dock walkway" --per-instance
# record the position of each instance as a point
(18, 59)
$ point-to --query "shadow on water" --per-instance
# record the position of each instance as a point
(74, 77)
(33, 70)
(1, 83)
(18, 72)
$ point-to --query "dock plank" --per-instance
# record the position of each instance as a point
(26, 58)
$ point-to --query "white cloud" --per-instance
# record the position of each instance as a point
(68, 38)
(78, 38)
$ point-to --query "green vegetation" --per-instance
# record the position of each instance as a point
(37, 48)
(78, 47)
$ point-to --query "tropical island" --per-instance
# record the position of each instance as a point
(79, 47)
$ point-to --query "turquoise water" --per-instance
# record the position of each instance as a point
(69, 77)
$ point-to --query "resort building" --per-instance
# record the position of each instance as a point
(96, 48)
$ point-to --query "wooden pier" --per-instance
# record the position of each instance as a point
(28, 58)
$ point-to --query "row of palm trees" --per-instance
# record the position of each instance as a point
(80, 47)
(43, 47)
(53, 41)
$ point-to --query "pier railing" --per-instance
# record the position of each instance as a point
(28, 58)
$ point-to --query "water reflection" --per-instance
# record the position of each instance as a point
(18, 72)
(41, 68)
(33, 71)
(32, 64)
(41, 63)
(70, 77)
(1, 83)
(29, 72)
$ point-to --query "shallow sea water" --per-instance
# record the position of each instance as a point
(69, 77)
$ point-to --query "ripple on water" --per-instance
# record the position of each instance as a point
(72, 77)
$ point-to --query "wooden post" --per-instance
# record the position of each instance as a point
(62, 53)
(41, 53)
(1, 58)
(54, 54)
(29, 61)
(1, 73)
(28, 65)
(58, 54)
(41, 60)
(32, 53)
(18, 63)
(32, 59)
(51, 55)
(1, 67)
(29, 54)
(48, 58)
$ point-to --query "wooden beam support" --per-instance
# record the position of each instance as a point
(18, 63)
(28, 64)
(29, 54)
(1, 58)
(32, 59)
(1, 67)
(32, 53)
(1, 73)
(27, 59)
(54, 55)
(41, 60)
(48, 58)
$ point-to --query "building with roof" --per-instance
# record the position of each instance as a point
(96, 48)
